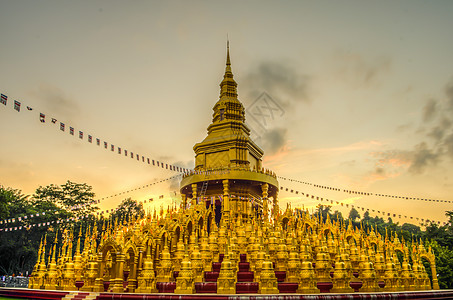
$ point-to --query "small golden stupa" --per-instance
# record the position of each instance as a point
(222, 239)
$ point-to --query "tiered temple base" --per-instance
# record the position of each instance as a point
(57, 295)
(245, 286)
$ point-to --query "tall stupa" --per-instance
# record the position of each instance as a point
(228, 164)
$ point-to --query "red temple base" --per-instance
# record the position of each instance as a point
(57, 295)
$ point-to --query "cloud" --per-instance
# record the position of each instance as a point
(424, 154)
(415, 160)
(449, 94)
(438, 132)
(361, 71)
(380, 173)
(423, 157)
(281, 80)
(448, 145)
(174, 184)
(274, 139)
(392, 158)
(430, 110)
(57, 102)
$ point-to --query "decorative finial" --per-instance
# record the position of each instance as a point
(228, 62)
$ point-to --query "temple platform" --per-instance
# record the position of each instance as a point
(56, 295)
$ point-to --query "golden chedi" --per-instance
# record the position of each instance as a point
(147, 279)
(268, 281)
(164, 269)
(342, 274)
(226, 283)
(307, 279)
(185, 283)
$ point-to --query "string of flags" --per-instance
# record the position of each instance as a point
(79, 206)
(335, 202)
(41, 224)
(90, 139)
(139, 188)
(363, 193)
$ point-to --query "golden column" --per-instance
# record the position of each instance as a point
(140, 249)
(265, 189)
(118, 281)
(432, 263)
(226, 201)
(194, 193)
(184, 201)
(275, 206)
(132, 285)
(99, 282)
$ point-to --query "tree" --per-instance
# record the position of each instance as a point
(354, 214)
(366, 216)
(128, 209)
(15, 250)
(324, 210)
(46, 214)
(75, 197)
(9, 197)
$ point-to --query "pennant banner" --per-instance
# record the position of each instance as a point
(363, 193)
(334, 202)
(42, 118)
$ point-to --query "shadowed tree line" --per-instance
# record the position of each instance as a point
(54, 205)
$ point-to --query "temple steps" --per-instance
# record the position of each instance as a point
(247, 287)
(245, 280)
(206, 287)
(80, 296)
(287, 287)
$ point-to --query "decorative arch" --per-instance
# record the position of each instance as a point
(200, 224)
(110, 243)
(208, 218)
(109, 252)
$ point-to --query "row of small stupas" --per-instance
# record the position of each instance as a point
(234, 245)
(181, 253)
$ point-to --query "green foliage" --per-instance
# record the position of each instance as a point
(52, 205)
(76, 197)
(15, 248)
(354, 214)
(127, 210)
(10, 201)
(66, 209)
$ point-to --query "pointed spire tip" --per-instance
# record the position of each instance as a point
(228, 63)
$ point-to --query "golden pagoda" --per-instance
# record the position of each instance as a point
(222, 239)
(228, 163)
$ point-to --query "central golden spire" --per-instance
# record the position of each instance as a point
(228, 87)
(228, 143)
(228, 63)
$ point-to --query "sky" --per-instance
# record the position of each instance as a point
(361, 91)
